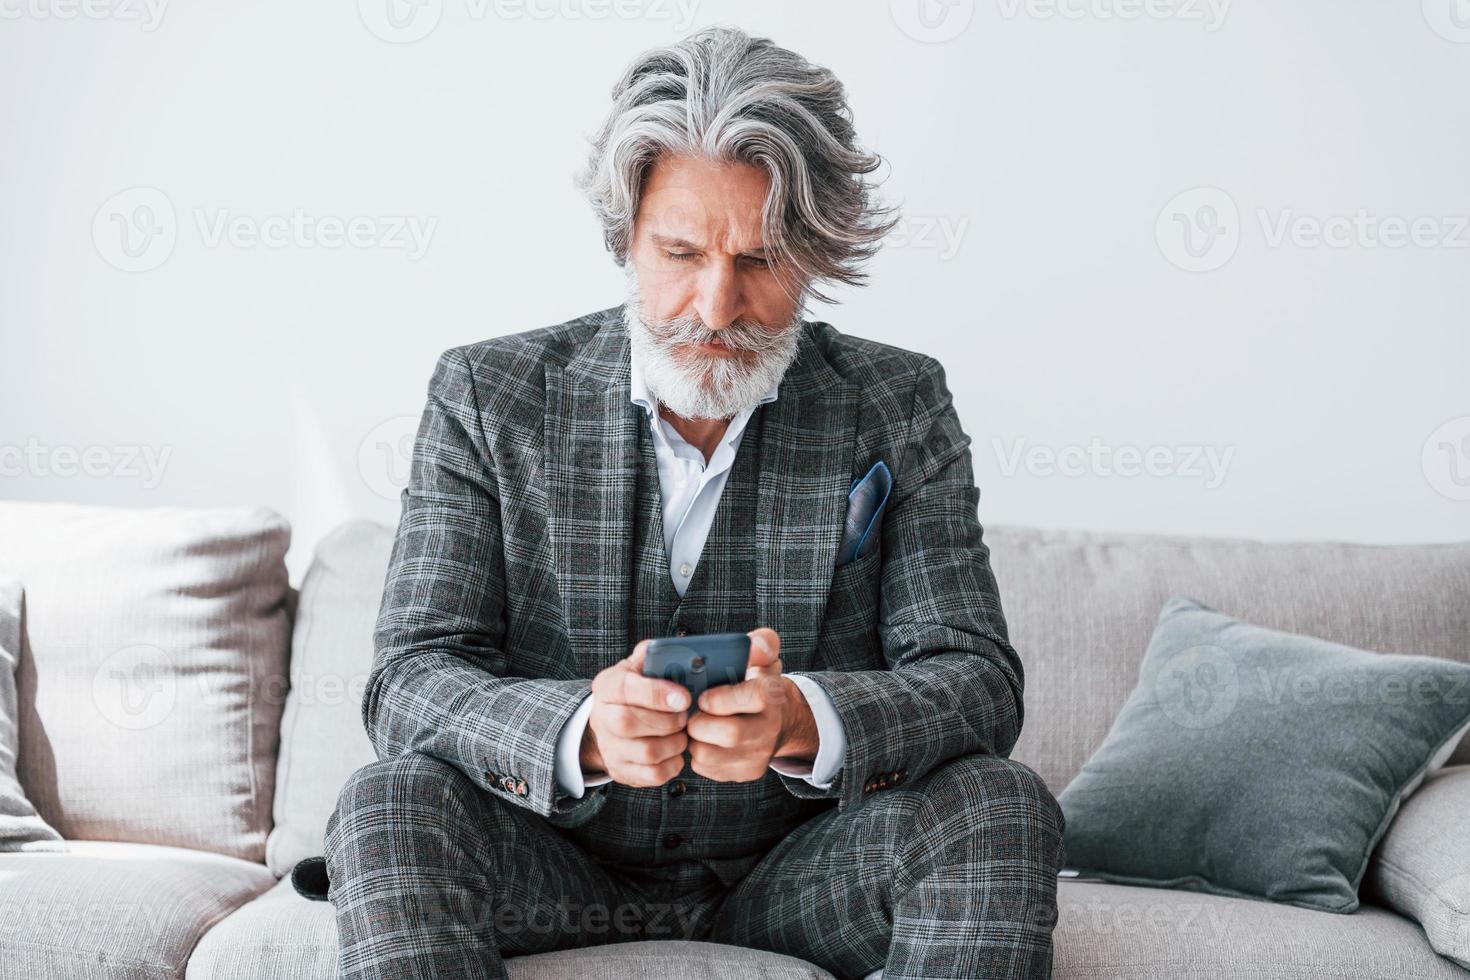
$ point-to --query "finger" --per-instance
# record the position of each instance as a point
(628, 721)
(649, 751)
(774, 669)
(634, 774)
(622, 684)
(765, 647)
(634, 660)
(746, 698)
(711, 729)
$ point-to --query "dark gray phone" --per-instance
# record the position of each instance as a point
(698, 662)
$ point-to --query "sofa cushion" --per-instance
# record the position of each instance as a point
(21, 828)
(281, 934)
(1422, 865)
(153, 673)
(322, 736)
(111, 911)
(1081, 608)
(1254, 762)
(1113, 932)
(1104, 932)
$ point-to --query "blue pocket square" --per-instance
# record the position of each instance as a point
(865, 502)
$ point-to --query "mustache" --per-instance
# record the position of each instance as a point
(745, 335)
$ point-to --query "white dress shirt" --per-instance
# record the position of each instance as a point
(690, 491)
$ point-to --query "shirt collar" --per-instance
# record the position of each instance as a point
(639, 394)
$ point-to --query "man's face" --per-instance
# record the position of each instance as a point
(713, 322)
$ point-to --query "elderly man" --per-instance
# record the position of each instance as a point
(684, 463)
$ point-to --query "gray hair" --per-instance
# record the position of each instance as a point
(723, 95)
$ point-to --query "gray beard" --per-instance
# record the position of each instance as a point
(706, 386)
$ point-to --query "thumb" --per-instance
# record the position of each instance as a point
(634, 660)
(765, 653)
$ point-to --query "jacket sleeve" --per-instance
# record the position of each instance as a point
(441, 683)
(953, 684)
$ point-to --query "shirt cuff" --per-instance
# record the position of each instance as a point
(831, 738)
(568, 768)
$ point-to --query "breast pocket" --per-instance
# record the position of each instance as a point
(849, 634)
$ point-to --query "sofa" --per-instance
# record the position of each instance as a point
(187, 717)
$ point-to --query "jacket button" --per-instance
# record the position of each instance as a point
(682, 631)
(673, 840)
(677, 788)
(520, 787)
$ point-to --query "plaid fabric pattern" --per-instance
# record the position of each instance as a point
(690, 817)
(952, 876)
(519, 549)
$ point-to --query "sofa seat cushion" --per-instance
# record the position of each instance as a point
(281, 934)
(1112, 932)
(104, 910)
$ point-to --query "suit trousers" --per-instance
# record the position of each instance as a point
(950, 875)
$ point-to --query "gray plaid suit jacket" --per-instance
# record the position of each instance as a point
(509, 579)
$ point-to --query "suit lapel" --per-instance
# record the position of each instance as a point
(806, 460)
(807, 444)
(591, 431)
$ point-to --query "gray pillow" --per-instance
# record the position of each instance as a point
(21, 829)
(1422, 866)
(1259, 764)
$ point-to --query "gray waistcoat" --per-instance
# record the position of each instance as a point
(692, 817)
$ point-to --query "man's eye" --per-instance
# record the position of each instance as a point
(757, 261)
(680, 256)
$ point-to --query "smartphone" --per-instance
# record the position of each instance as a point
(698, 662)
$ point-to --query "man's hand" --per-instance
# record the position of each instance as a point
(740, 728)
(635, 732)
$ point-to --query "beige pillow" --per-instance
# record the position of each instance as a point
(21, 829)
(153, 670)
(322, 737)
(1421, 868)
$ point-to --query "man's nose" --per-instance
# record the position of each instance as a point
(720, 301)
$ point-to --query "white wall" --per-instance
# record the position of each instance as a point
(1036, 147)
